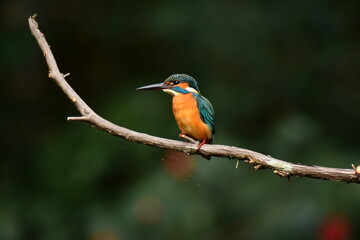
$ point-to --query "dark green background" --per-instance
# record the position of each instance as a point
(283, 77)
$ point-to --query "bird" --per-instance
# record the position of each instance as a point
(194, 114)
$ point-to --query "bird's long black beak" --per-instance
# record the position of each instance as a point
(156, 86)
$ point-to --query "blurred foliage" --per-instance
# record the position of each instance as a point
(283, 77)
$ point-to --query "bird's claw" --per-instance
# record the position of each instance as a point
(200, 145)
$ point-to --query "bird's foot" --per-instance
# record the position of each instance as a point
(200, 145)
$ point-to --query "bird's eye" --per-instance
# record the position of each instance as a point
(176, 82)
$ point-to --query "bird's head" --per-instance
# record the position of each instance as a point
(175, 84)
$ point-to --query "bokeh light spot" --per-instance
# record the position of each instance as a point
(148, 210)
(179, 165)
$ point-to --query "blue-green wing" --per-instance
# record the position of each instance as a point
(207, 112)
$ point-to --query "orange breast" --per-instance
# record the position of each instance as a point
(188, 118)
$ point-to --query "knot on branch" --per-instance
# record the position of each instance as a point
(258, 167)
(282, 173)
(356, 169)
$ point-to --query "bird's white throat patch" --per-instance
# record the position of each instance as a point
(190, 89)
(174, 93)
(171, 92)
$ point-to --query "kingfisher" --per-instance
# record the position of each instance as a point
(193, 113)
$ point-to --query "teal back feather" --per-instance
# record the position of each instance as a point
(207, 112)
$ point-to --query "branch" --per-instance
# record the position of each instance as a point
(260, 161)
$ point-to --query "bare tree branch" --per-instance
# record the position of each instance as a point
(260, 161)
